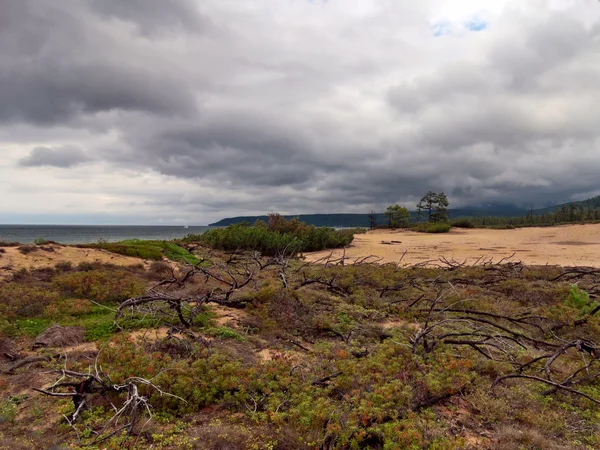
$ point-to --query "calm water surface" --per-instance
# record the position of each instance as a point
(85, 234)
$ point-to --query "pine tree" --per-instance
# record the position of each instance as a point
(436, 206)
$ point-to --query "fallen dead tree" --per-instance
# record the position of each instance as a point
(130, 407)
(178, 299)
(515, 338)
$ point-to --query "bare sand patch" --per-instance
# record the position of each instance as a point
(226, 316)
(150, 334)
(570, 245)
(12, 260)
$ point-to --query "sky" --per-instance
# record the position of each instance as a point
(188, 111)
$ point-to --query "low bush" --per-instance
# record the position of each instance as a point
(431, 227)
(502, 227)
(463, 223)
(100, 285)
(27, 249)
(580, 299)
(9, 244)
(64, 266)
(17, 300)
(280, 234)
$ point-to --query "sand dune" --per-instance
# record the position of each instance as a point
(12, 260)
(571, 245)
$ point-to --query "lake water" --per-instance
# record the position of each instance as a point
(85, 234)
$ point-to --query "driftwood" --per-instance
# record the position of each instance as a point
(79, 386)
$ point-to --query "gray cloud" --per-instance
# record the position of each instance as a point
(55, 68)
(68, 156)
(154, 16)
(299, 106)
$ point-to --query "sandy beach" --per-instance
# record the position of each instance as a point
(12, 260)
(570, 245)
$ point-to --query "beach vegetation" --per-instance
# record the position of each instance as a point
(277, 235)
(397, 216)
(463, 223)
(285, 354)
(431, 227)
(435, 205)
(144, 249)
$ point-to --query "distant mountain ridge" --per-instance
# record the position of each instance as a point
(362, 220)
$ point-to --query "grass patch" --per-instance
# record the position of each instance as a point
(154, 250)
(28, 327)
(225, 333)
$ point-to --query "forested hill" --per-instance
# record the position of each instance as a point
(362, 220)
(590, 203)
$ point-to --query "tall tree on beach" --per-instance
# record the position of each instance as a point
(397, 216)
(436, 206)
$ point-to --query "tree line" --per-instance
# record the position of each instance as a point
(432, 208)
(564, 214)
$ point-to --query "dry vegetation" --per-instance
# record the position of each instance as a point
(242, 351)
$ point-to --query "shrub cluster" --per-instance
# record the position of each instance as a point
(432, 227)
(101, 285)
(279, 234)
(463, 223)
(24, 301)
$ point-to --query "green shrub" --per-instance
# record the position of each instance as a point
(463, 223)
(225, 333)
(64, 266)
(8, 411)
(279, 235)
(580, 299)
(432, 227)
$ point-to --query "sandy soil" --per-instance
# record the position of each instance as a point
(571, 245)
(11, 259)
(225, 316)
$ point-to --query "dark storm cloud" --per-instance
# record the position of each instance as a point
(154, 16)
(64, 157)
(260, 108)
(56, 67)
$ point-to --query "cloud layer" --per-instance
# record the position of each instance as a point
(195, 110)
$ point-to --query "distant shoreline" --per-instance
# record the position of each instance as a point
(88, 234)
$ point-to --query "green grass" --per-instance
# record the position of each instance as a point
(28, 327)
(225, 333)
(154, 250)
(99, 323)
